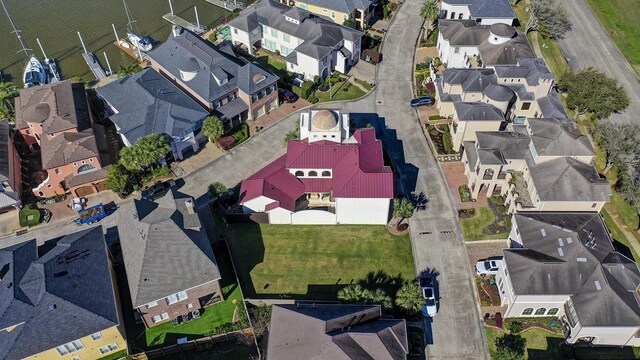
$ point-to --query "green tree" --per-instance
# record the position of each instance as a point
(216, 189)
(212, 127)
(621, 142)
(119, 179)
(549, 18)
(293, 134)
(510, 347)
(129, 69)
(8, 93)
(146, 151)
(590, 90)
(429, 12)
(349, 23)
(378, 296)
(402, 209)
(354, 293)
(409, 298)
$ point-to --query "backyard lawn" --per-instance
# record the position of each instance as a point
(339, 93)
(541, 344)
(313, 262)
(472, 227)
(620, 19)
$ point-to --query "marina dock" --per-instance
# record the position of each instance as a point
(130, 50)
(230, 5)
(94, 65)
(177, 20)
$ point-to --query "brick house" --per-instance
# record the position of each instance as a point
(170, 265)
(231, 87)
(55, 120)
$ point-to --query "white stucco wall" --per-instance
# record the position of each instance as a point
(313, 217)
(362, 211)
(606, 335)
(457, 9)
(491, 21)
(307, 65)
(256, 204)
(279, 216)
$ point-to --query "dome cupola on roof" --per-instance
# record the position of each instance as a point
(501, 33)
(324, 120)
(37, 113)
(189, 69)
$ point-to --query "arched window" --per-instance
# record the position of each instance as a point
(553, 311)
(540, 311)
(299, 173)
(85, 168)
(527, 311)
(313, 173)
(326, 173)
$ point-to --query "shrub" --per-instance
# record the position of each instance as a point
(226, 142)
(312, 99)
(213, 36)
(160, 171)
(434, 117)
(29, 217)
(515, 327)
(437, 62)
(216, 189)
(305, 91)
(241, 133)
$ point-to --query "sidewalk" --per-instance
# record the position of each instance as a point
(276, 114)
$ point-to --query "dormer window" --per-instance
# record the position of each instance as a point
(258, 78)
(220, 76)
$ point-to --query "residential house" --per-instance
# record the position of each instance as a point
(542, 165)
(467, 44)
(170, 265)
(10, 173)
(232, 87)
(55, 120)
(484, 12)
(335, 331)
(311, 45)
(147, 103)
(471, 117)
(327, 177)
(61, 305)
(565, 265)
(360, 11)
(520, 91)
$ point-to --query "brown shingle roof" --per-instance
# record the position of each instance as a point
(68, 147)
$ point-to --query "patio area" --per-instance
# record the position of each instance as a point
(275, 115)
(454, 173)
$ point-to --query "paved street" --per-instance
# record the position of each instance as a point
(588, 44)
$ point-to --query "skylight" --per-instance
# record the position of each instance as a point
(597, 283)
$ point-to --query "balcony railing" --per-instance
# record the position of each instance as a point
(520, 189)
(502, 175)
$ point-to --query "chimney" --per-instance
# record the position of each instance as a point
(189, 204)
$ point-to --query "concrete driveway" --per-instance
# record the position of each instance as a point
(588, 44)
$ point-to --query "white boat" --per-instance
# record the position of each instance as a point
(140, 42)
(34, 73)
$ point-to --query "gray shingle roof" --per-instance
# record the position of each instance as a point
(486, 8)
(62, 296)
(566, 179)
(499, 92)
(559, 137)
(506, 53)
(551, 106)
(471, 80)
(187, 51)
(477, 111)
(320, 35)
(332, 331)
(147, 103)
(165, 250)
(531, 69)
(565, 254)
(463, 32)
(58, 106)
(511, 145)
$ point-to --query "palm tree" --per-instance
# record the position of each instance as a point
(380, 297)
(8, 92)
(146, 151)
(402, 209)
(409, 297)
(216, 189)
(354, 294)
(129, 69)
(212, 127)
(429, 12)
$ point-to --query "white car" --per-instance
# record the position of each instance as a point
(488, 266)
(430, 308)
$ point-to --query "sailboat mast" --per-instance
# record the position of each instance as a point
(130, 22)
(16, 31)
(41, 48)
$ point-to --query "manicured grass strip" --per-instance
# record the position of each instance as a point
(115, 356)
(553, 56)
(29, 217)
(339, 93)
(620, 20)
(212, 317)
(472, 227)
(313, 262)
(621, 243)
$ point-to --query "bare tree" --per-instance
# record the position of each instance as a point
(549, 18)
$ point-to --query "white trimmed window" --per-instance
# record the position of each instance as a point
(152, 304)
(172, 299)
(109, 348)
(96, 336)
(70, 347)
(160, 317)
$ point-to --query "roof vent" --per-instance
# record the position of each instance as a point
(560, 242)
(560, 252)
(597, 283)
(581, 259)
(52, 307)
(189, 204)
(569, 240)
(544, 233)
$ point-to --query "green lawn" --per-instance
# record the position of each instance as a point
(313, 262)
(540, 343)
(29, 217)
(472, 227)
(620, 19)
(339, 93)
(212, 317)
(620, 240)
(553, 56)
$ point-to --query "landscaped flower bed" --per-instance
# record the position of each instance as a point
(465, 194)
(441, 138)
(518, 325)
(488, 291)
(503, 221)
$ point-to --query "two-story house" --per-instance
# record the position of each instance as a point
(360, 11)
(484, 12)
(311, 45)
(543, 165)
(55, 120)
(171, 269)
(467, 44)
(10, 172)
(230, 86)
(147, 103)
(472, 117)
(327, 177)
(61, 305)
(565, 265)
